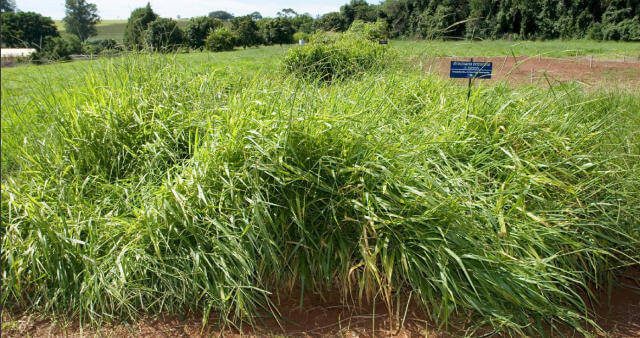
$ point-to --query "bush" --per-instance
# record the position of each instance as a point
(136, 25)
(330, 57)
(164, 35)
(625, 30)
(106, 46)
(246, 31)
(59, 48)
(220, 40)
(278, 31)
(595, 32)
(301, 36)
(198, 30)
(374, 31)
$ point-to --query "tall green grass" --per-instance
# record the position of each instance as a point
(160, 187)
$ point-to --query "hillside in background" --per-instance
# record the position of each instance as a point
(113, 29)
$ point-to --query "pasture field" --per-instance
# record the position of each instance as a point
(113, 29)
(217, 186)
(550, 49)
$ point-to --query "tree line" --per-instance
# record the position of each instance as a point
(427, 19)
(516, 19)
(217, 31)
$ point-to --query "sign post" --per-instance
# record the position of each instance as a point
(470, 70)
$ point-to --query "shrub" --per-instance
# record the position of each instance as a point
(136, 25)
(246, 31)
(595, 32)
(106, 46)
(220, 40)
(333, 21)
(625, 30)
(59, 48)
(198, 30)
(164, 35)
(373, 31)
(330, 57)
(300, 36)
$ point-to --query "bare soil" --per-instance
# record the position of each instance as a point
(550, 71)
(617, 313)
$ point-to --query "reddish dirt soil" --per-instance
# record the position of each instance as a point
(618, 315)
(550, 71)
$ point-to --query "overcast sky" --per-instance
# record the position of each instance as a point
(120, 9)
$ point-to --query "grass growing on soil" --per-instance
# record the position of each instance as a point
(151, 183)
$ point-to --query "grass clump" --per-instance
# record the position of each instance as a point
(329, 57)
(161, 188)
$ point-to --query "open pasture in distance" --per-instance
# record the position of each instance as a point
(611, 50)
(113, 29)
(216, 186)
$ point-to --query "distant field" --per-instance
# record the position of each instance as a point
(113, 29)
(552, 48)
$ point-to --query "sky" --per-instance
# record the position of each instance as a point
(120, 9)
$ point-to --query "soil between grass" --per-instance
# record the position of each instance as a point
(548, 71)
(618, 315)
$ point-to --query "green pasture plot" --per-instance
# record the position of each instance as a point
(552, 48)
(208, 182)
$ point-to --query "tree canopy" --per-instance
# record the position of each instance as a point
(199, 28)
(26, 29)
(279, 31)
(7, 6)
(81, 18)
(246, 31)
(222, 15)
(164, 35)
(518, 19)
(136, 25)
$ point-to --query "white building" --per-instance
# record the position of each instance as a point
(16, 52)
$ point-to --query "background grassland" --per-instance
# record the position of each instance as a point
(113, 29)
(551, 48)
(207, 182)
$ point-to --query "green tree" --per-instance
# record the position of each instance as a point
(359, 10)
(164, 35)
(287, 13)
(279, 30)
(220, 40)
(81, 18)
(222, 15)
(199, 28)
(246, 31)
(26, 29)
(333, 21)
(136, 25)
(7, 6)
(303, 23)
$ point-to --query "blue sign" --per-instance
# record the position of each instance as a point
(470, 69)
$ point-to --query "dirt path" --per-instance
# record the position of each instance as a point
(545, 71)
